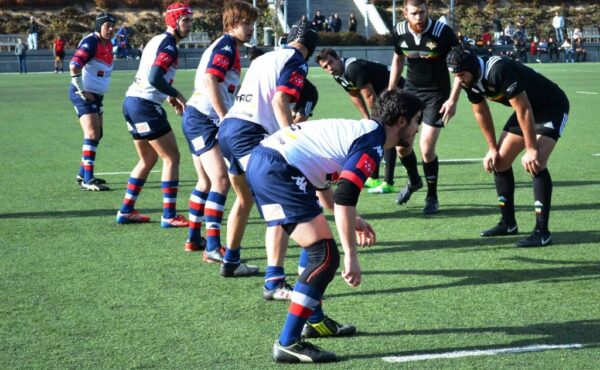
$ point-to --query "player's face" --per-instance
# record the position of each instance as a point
(416, 17)
(185, 25)
(465, 78)
(408, 130)
(243, 31)
(332, 66)
(107, 30)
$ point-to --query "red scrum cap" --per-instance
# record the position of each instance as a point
(176, 11)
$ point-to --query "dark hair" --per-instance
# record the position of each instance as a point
(103, 18)
(460, 59)
(325, 53)
(414, 2)
(395, 103)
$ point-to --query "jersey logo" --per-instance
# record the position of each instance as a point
(169, 47)
(511, 88)
(296, 79)
(431, 45)
(548, 125)
(227, 48)
(379, 150)
(366, 164)
(304, 68)
(84, 46)
(164, 60)
(404, 45)
(300, 183)
(221, 61)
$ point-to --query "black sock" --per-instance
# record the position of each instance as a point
(430, 170)
(375, 173)
(410, 164)
(505, 188)
(542, 194)
(390, 164)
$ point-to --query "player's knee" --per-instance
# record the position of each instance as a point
(323, 261)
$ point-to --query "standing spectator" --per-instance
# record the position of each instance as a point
(567, 47)
(577, 34)
(497, 25)
(91, 71)
(580, 51)
(319, 21)
(58, 48)
(486, 37)
(147, 120)
(21, 53)
(32, 38)
(337, 23)
(509, 30)
(558, 22)
(542, 48)
(328, 25)
(552, 49)
(533, 47)
(352, 23)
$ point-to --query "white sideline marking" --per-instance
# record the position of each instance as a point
(460, 160)
(488, 352)
(118, 173)
(587, 92)
(596, 155)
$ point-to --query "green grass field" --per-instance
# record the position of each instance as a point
(78, 291)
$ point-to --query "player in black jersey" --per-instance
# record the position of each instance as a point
(541, 112)
(363, 80)
(422, 44)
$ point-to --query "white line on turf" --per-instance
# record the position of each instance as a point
(487, 352)
(587, 92)
(596, 154)
(118, 173)
(460, 160)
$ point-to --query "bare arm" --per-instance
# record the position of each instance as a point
(524, 113)
(214, 95)
(359, 103)
(449, 107)
(396, 71)
(281, 107)
(483, 116)
(345, 219)
(369, 96)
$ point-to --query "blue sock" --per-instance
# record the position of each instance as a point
(88, 157)
(134, 187)
(274, 276)
(196, 216)
(169, 191)
(303, 261)
(318, 315)
(213, 216)
(232, 256)
(304, 300)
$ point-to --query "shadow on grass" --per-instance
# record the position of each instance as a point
(569, 270)
(583, 332)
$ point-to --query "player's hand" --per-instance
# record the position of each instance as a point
(351, 274)
(178, 103)
(365, 234)
(490, 159)
(87, 96)
(530, 161)
(448, 110)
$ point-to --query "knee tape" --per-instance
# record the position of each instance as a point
(323, 261)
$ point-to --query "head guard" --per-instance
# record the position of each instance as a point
(459, 60)
(174, 12)
(306, 34)
(103, 18)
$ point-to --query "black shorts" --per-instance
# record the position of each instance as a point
(433, 101)
(549, 121)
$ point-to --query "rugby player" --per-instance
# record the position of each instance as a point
(540, 115)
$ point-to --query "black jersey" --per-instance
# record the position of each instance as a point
(425, 55)
(308, 99)
(359, 72)
(502, 79)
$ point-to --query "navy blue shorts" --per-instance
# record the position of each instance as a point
(146, 120)
(282, 193)
(199, 130)
(549, 121)
(83, 106)
(237, 138)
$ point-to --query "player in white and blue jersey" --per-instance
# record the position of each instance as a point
(147, 120)
(91, 69)
(263, 105)
(290, 174)
(217, 79)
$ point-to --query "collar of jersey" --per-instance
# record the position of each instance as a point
(429, 22)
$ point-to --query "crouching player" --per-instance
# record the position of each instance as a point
(541, 111)
(290, 173)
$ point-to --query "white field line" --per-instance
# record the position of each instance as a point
(118, 173)
(460, 160)
(487, 352)
(596, 154)
(587, 92)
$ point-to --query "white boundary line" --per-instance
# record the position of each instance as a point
(460, 160)
(488, 352)
(118, 173)
(596, 154)
(587, 92)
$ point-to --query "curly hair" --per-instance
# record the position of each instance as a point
(396, 103)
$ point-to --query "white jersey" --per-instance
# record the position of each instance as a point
(161, 51)
(222, 59)
(281, 70)
(95, 58)
(325, 150)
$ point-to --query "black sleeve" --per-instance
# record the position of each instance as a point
(156, 79)
(346, 193)
(356, 73)
(474, 98)
(503, 77)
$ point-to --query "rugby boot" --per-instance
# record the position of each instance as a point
(537, 238)
(500, 229)
(191, 246)
(177, 221)
(214, 256)
(383, 188)
(79, 180)
(301, 352)
(431, 206)
(283, 292)
(238, 270)
(134, 217)
(94, 185)
(372, 183)
(327, 328)
(408, 189)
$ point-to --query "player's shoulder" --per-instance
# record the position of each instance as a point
(495, 65)
(167, 42)
(89, 41)
(401, 28)
(439, 29)
(224, 44)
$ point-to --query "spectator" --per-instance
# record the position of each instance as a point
(567, 47)
(58, 49)
(497, 25)
(552, 49)
(509, 30)
(542, 48)
(34, 27)
(533, 46)
(21, 53)
(337, 23)
(580, 51)
(520, 49)
(486, 37)
(352, 23)
(489, 48)
(123, 41)
(577, 34)
(329, 24)
(558, 22)
(319, 21)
